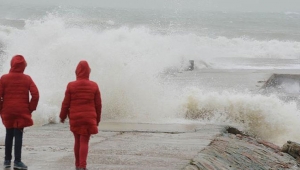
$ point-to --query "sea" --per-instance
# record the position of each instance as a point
(141, 54)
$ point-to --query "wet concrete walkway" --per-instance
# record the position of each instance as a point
(118, 146)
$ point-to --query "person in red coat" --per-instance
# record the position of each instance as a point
(16, 107)
(82, 105)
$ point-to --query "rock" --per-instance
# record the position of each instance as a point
(232, 130)
(293, 149)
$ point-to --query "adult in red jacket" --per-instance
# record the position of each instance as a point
(82, 104)
(16, 107)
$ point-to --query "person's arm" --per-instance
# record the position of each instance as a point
(98, 105)
(65, 105)
(34, 96)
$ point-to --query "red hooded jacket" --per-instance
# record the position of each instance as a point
(15, 105)
(82, 102)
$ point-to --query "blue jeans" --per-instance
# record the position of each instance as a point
(10, 135)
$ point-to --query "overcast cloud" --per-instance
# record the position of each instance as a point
(203, 5)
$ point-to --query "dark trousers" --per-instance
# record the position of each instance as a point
(10, 135)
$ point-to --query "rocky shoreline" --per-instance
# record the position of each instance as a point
(236, 151)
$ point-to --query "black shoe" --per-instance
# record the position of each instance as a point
(6, 164)
(19, 165)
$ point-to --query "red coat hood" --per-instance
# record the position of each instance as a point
(83, 70)
(17, 64)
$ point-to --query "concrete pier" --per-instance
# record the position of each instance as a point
(118, 146)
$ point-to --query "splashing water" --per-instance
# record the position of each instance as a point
(266, 117)
(127, 63)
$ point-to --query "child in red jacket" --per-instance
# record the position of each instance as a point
(16, 108)
(82, 104)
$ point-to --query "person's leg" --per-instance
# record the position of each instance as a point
(76, 149)
(18, 144)
(84, 148)
(18, 164)
(9, 143)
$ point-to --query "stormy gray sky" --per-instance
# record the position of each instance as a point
(202, 5)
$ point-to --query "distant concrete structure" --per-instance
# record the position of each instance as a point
(192, 65)
(284, 83)
(287, 86)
